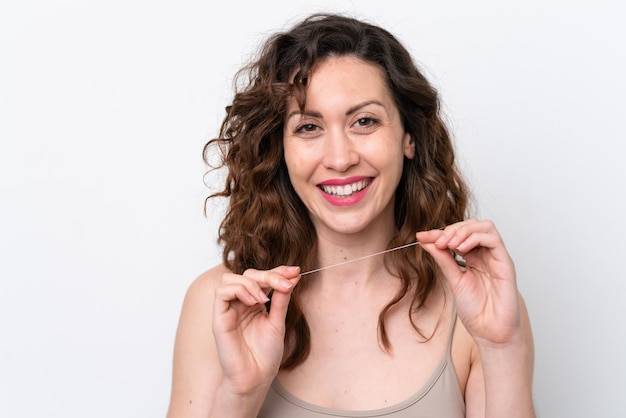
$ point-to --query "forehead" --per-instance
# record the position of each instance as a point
(346, 78)
(348, 71)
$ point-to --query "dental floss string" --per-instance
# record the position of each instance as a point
(360, 258)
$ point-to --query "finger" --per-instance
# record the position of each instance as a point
(257, 283)
(455, 234)
(441, 233)
(424, 237)
(246, 289)
(227, 296)
(488, 241)
(276, 278)
(472, 240)
(471, 235)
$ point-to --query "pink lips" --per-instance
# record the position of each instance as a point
(345, 192)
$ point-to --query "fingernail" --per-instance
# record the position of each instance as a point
(263, 296)
(286, 284)
(293, 269)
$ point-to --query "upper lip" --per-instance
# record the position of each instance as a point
(343, 182)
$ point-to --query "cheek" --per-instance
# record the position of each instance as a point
(288, 155)
(389, 157)
(390, 164)
(296, 161)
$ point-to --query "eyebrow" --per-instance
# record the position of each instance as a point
(350, 111)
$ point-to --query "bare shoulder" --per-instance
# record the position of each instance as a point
(196, 371)
(204, 285)
(198, 302)
(197, 311)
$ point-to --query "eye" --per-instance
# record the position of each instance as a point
(366, 122)
(306, 128)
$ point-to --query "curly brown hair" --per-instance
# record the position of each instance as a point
(266, 223)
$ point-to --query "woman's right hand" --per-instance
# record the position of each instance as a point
(249, 340)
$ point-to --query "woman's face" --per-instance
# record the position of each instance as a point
(345, 153)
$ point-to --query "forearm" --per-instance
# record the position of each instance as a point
(508, 375)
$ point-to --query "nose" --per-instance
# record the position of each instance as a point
(339, 151)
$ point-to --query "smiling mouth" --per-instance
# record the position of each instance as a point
(345, 190)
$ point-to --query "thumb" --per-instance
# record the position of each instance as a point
(280, 298)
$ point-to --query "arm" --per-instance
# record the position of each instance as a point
(493, 312)
(228, 348)
(501, 378)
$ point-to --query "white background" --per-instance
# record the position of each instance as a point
(105, 107)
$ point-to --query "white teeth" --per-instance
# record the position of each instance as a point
(347, 189)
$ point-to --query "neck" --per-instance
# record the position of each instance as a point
(353, 265)
(336, 249)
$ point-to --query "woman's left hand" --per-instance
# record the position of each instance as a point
(485, 291)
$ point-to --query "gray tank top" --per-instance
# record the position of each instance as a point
(439, 397)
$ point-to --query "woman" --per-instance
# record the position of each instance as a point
(336, 151)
